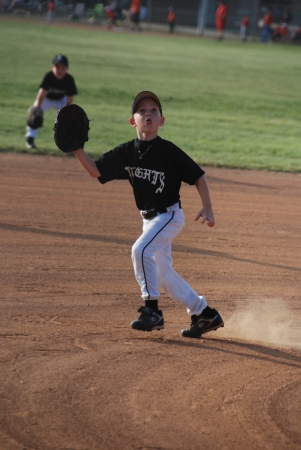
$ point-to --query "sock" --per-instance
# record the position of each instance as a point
(152, 304)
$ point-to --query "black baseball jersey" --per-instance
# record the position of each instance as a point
(56, 88)
(154, 168)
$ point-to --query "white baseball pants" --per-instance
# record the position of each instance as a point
(152, 261)
(46, 104)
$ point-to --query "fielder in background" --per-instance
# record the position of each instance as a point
(155, 169)
(171, 19)
(221, 19)
(56, 90)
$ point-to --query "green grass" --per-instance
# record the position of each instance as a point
(226, 103)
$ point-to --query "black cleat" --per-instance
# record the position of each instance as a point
(209, 320)
(30, 142)
(149, 320)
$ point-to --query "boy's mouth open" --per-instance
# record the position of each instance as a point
(148, 121)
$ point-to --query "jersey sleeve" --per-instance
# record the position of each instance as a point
(111, 165)
(46, 82)
(183, 165)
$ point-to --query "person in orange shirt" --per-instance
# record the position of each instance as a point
(171, 18)
(135, 14)
(220, 19)
(268, 20)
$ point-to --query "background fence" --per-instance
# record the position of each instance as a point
(155, 11)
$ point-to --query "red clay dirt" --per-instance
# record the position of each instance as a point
(73, 373)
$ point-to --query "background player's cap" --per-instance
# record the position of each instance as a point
(145, 94)
(60, 59)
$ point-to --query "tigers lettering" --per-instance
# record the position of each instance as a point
(152, 176)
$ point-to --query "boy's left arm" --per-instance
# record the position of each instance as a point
(206, 212)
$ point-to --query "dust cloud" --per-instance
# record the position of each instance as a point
(265, 321)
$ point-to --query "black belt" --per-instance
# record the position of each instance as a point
(151, 213)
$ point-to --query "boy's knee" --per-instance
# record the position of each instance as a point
(136, 251)
(140, 250)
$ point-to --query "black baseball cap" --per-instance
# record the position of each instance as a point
(60, 59)
(145, 94)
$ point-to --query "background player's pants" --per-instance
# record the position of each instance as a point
(266, 32)
(46, 104)
(152, 261)
(243, 32)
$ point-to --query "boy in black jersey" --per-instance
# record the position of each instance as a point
(155, 169)
(56, 90)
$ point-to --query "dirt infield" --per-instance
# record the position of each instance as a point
(75, 376)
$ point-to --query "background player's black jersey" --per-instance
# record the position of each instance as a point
(154, 168)
(56, 88)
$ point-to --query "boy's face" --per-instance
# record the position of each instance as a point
(147, 117)
(59, 70)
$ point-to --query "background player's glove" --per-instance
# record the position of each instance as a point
(71, 128)
(34, 118)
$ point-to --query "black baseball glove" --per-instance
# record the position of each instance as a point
(34, 118)
(71, 128)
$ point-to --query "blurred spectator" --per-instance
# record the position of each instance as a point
(244, 26)
(268, 20)
(112, 16)
(51, 10)
(171, 18)
(281, 33)
(220, 19)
